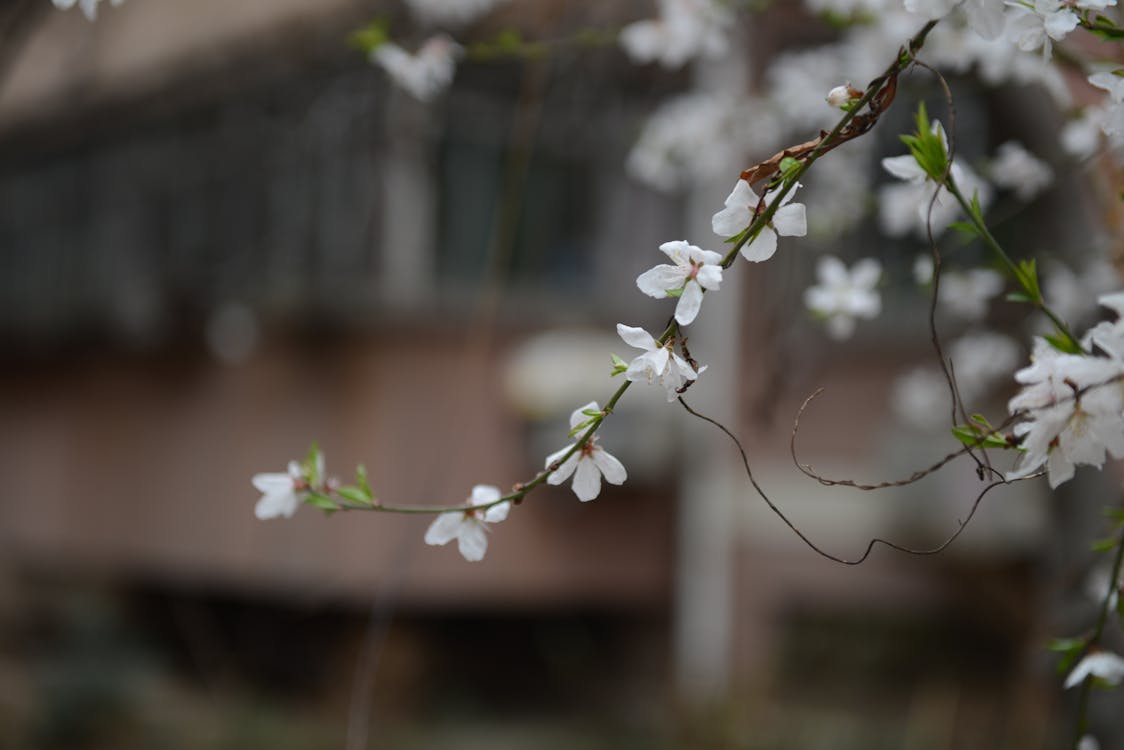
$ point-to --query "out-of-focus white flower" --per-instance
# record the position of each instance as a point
(1088, 742)
(789, 220)
(966, 294)
(282, 493)
(1099, 585)
(424, 74)
(985, 17)
(1081, 136)
(657, 362)
(450, 11)
(923, 270)
(689, 138)
(470, 526)
(685, 29)
(921, 398)
(1064, 430)
(587, 464)
(1103, 665)
(982, 359)
(1108, 335)
(1019, 170)
(841, 296)
(89, 7)
(695, 269)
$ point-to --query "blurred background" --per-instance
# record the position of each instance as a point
(224, 234)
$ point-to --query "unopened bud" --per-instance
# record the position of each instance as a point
(840, 96)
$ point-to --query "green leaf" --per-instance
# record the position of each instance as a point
(1116, 514)
(370, 37)
(1062, 343)
(361, 480)
(675, 292)
(354, 494)
(1104, 545)
(1019, 297)
(789, 165)
(619, 365)
(592, 412)
(965, 228)
(311, 466)
(973, 436)
(1070, 649)
(323, 502)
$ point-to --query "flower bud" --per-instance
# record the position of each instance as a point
(839, 96)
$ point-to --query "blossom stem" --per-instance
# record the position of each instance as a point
(1094, 640)
(1029, 285)
(905, 57)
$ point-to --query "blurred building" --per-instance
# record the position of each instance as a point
(223, 235)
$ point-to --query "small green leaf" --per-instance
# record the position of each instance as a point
(1062, 343)
(370, 37)
(1070, 649)
(354, 494)
(323, 502)
(619, 365)
(1116, 514)
(1018, 297)
(1104, 545)
(789, 165)
(965, 228)
(675, 292)
(361, 480)
(592, 412)
(973, 436)
(311, 466)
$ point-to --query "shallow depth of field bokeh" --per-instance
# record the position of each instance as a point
(225, 235)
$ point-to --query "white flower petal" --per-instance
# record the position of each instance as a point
(791, 221)
(578, 416)
(444, 528)
(656, 281)
(497, 513)
(636, 337)
(762, 247)
(610, 467)
(482, 494)
(587, 480)
(565, 469)
(472, 540)
(689, 303)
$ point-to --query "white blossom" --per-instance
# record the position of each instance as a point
(685, 29)
(789, 220)
(842, 296)
(1019, 170)
(282, 493)
(689, 138)
(693, 271)
(424, 74)
(657, 362)
(89, 7)
(985, 17)
(470, 526)
(1034, 28)
(1103, 665)
(1066, 427)
(587, 464)
(981, 360)
(1080, 137)
(450, 11)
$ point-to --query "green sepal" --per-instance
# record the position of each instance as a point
(675, 292)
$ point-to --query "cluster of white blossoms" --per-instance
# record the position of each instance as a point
(89, 7)
(684, 30)
(1073, 404)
